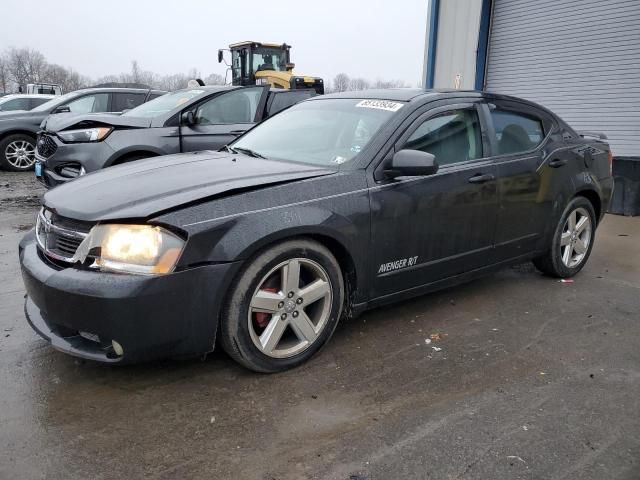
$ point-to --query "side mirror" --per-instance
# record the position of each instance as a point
(408, 163)
(62, 109)
(220, 56)
(188, 118)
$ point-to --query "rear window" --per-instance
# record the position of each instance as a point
(283, 100)
(127, 101)
(516, 132)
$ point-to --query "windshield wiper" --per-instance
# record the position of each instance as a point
(247, 151)
(229, 149)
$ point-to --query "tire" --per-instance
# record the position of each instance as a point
(267, 329)
(17, 153)
(570, 237)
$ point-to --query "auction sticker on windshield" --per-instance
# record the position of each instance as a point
(380, 105)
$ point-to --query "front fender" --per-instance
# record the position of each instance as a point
(133, 149)
(340, 221)
(17, 129)
(260, 230)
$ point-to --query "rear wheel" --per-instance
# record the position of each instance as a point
(17, 153)
(572, 241)
(284, 307)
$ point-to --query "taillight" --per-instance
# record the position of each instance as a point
(610, 164)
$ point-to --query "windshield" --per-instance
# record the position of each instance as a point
(269, 59)
(56, 101)
(163, 104)
(321, 132)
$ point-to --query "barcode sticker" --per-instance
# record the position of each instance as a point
(380, 105)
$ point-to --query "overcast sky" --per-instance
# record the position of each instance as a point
(368, 38)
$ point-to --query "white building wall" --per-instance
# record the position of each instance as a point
(457, 42)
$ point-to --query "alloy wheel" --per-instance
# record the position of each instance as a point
(20, 154)
(576, 237)
(290, 308)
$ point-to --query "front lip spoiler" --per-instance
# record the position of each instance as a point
(70, 345)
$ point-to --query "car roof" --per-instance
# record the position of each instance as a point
(28, 95)
(400, 94)
(116, 90)
(419, 95)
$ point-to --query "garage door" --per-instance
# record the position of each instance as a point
(580, 58)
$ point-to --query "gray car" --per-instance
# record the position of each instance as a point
(193, 119)
(18, 129)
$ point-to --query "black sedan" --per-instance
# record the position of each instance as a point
(339, 204)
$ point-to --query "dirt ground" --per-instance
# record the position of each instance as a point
(524, 378)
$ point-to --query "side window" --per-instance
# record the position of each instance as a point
(284, 100)
(90, 103)
(36, 102)
(236, 106)
(15, 104)
(126, 101)
(452, 136)
(516, 132)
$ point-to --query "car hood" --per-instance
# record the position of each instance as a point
(63, 121)
(145, 188)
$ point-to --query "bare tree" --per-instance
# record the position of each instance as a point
(4, 75)
(214, 79)
(106, 79)
(135, 72)
(341, 82)
(173, 82)
(358, 84)
(389, 84)
(25, 65)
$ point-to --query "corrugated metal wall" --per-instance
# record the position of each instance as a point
(580, 58)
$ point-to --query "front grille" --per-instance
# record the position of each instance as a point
(46, 145)
(60, 237)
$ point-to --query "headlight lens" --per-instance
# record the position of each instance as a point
(85, 135)
(139, 249)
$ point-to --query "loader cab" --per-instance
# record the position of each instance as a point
(248, 59)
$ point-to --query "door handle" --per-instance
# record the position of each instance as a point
(237, 132)
(480, 178)
(557, 162)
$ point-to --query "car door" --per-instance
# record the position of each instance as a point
(425, 229)
(220, 119)
(520, 140)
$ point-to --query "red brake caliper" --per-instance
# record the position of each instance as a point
(261, 318)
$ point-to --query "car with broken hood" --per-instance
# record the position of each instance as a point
(341, 203)
(201, 118)
(19, 129)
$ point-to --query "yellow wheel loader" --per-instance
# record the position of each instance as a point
(255, 63)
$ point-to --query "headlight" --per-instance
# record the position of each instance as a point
(85, 135)
(140, 249)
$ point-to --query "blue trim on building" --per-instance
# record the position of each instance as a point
(434, 13)
(483, 43)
